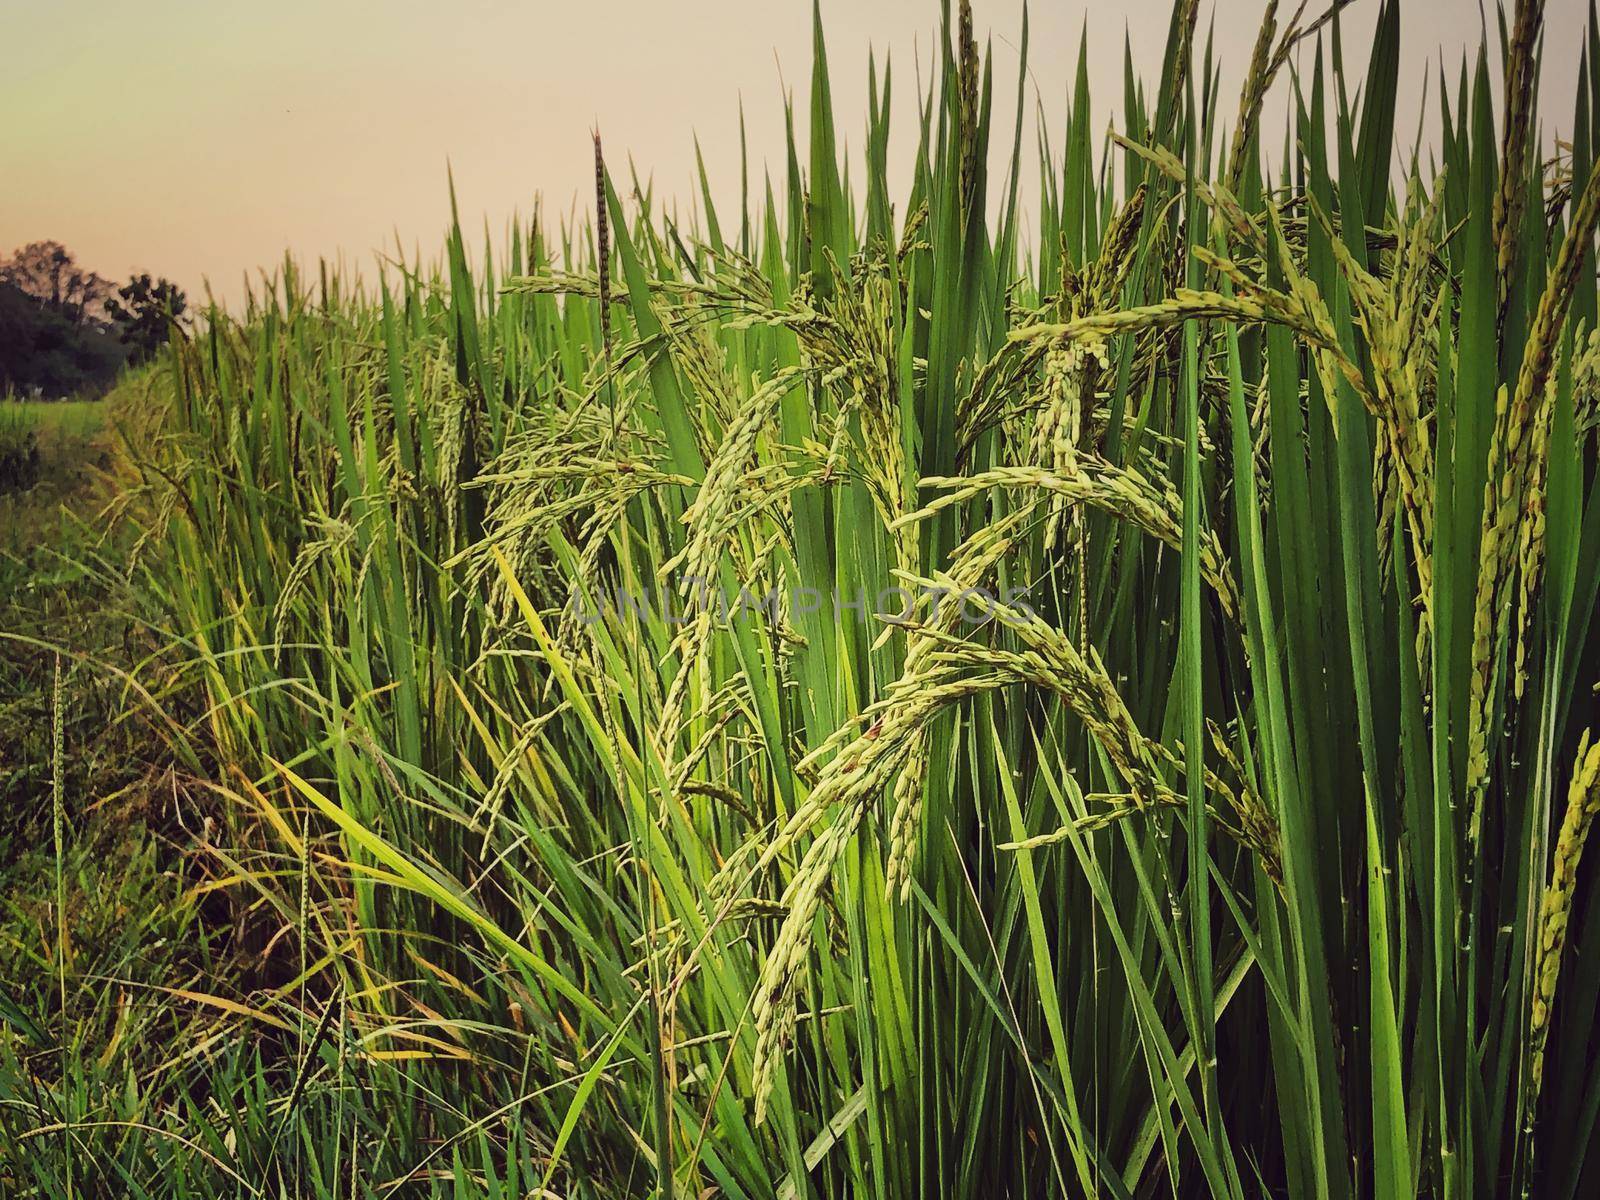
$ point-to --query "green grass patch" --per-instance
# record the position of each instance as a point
(66, 418)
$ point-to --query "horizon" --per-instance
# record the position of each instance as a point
(326, 148)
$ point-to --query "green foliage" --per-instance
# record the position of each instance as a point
(145, 312)
(44, 352)
(19, 446)
(1245, 856)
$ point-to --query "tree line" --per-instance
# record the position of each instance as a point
(66, 330)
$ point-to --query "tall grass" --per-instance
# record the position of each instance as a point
(19, 445)
(1225, 838)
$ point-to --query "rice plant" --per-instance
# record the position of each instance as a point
(870, 694)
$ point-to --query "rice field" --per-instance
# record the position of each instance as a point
(73, 418)
(877, 693)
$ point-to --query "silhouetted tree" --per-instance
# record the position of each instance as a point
(147, 312)
(42, 352)
(48, 272)
(64, 331)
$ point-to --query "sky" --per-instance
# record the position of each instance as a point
(201, 139)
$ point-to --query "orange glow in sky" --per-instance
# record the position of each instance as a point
(203, 139)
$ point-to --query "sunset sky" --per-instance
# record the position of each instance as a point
(202, 139)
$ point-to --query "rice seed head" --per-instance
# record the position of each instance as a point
(1258, 78)
(904, 823)
(1583, 802)
(1511, 196)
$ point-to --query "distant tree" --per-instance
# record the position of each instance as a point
(42, 351)
(146, 312)
(48, 272)
(65, 330)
